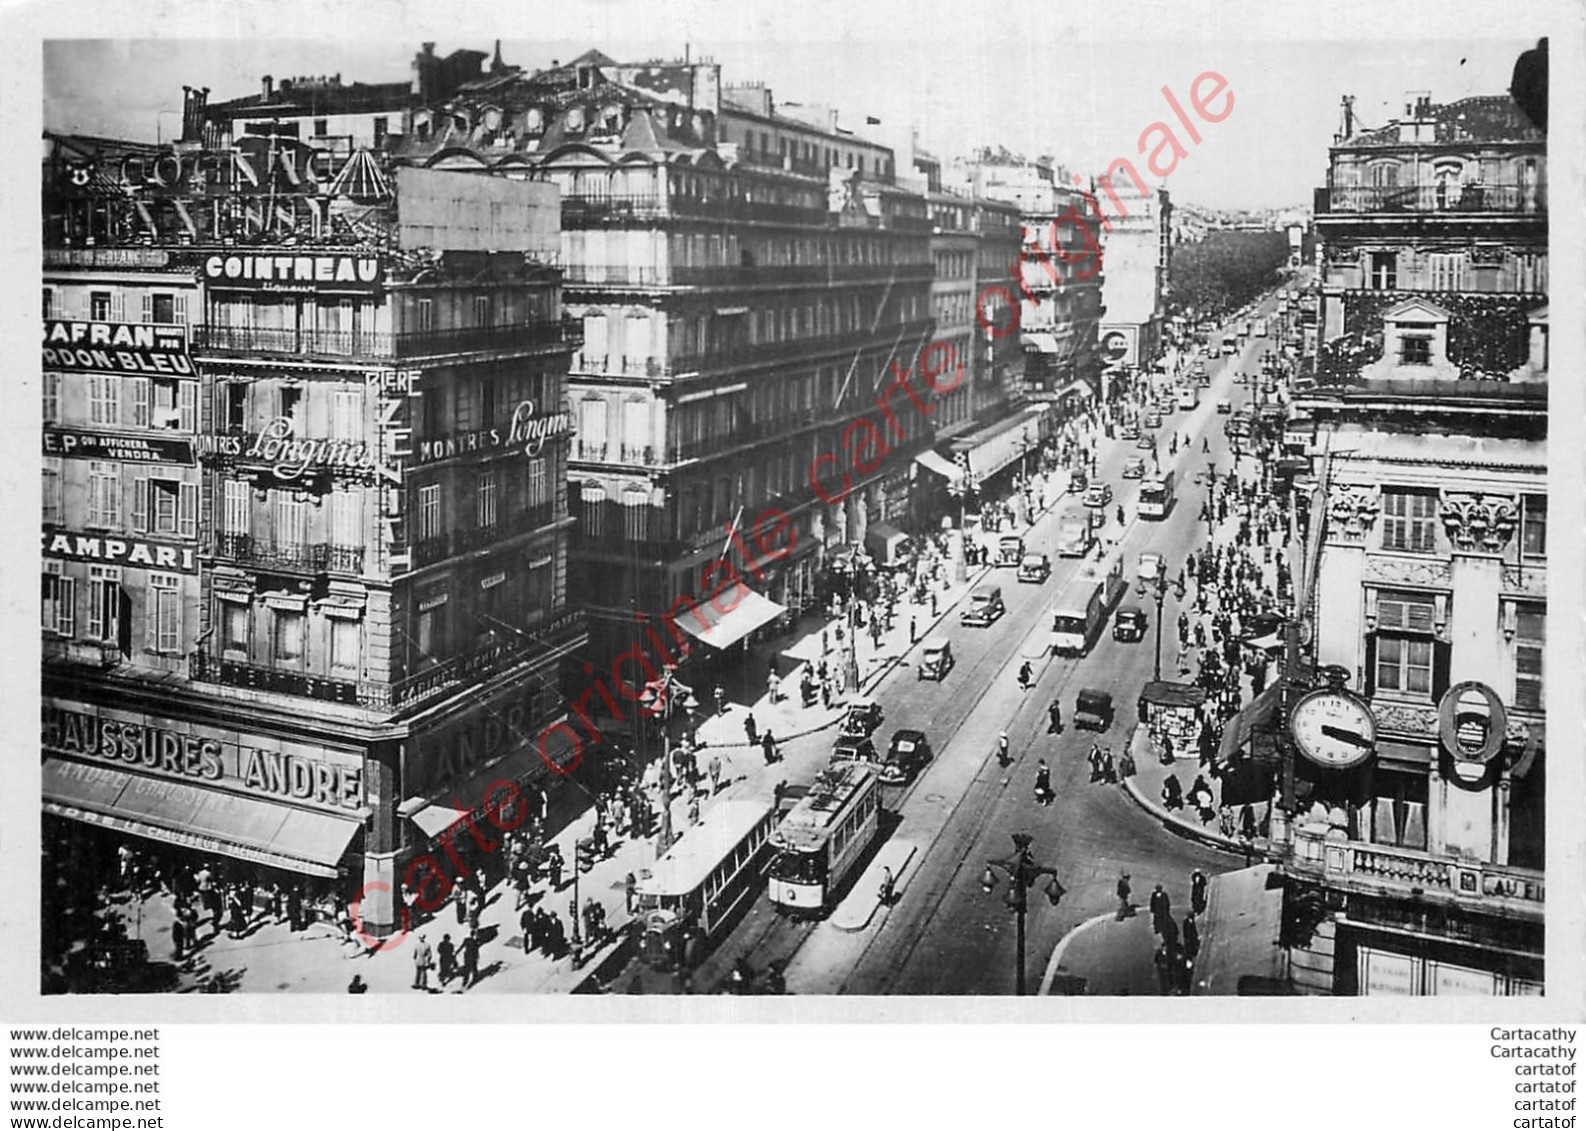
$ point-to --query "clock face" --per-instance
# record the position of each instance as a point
(1333, 729)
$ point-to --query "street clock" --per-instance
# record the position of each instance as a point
(1333, 728)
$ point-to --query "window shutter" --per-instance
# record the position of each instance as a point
(118, 306)
(151, 618)
(123, 608)
(140, 504)
(187, 520)
(1371, 665)
(140, 402)
(180, 309)
(148, 308)
(187, 405)
(1442, 653)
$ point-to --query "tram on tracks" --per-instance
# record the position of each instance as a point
(825, 837)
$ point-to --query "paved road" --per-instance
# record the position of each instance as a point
(945, 934)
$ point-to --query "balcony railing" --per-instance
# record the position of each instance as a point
(582, 209)
(203, 667)
(296, 557)
(1382, 870)
(451, 543)
(350, 343)
(1505, 198)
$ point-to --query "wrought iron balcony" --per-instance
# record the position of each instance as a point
(204, 668)
(292, 557)
(361, 343)
(1468, 199)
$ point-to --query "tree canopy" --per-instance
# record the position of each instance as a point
(1226, 270)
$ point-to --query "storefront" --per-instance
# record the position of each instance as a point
(296, 807)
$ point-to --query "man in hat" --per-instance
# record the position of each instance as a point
(1161, 910)
(423, 959)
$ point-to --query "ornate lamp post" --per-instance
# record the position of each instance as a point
(1158, 589)
(658, 701)
(1022, 870)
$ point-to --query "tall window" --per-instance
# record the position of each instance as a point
(234, 405)
(49, 302)
(381, 127)
(164, 613)
(1533, 526)
(163, 501)
(54, 499)
(321, 127)
(1415, 350)
(234, 629)
(1530, 641)
(1409, 521)
(481, 310)
(345, 645)
(426, 315)
(430, 512)
(1384, 270)
(237, 512)
(539, 490)
(287, 643)
(635, 515)
(104, 399)
(594, 497)
(52, 398)
(485, 499)
(290, 526)
(99, 306)
(104, 603)
(346, 414)
(104, 494)
(592, 429)
(58, 606)
(1445, 272)
(1404, 642)
(346, 518)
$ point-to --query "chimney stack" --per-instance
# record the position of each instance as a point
(269, 87)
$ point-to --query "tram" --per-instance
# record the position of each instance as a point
(824, 837)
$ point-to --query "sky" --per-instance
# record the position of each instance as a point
(1082, 98)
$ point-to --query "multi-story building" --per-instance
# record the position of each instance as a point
(1138, 248)
(305, 516)
(1417, 859)
(1059, 281)
(749, 287)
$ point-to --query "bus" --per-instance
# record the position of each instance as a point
(1156, 494)
(825, 837)
(1261, 327)
(1082, 611)
(1074, 533)
(706, 876)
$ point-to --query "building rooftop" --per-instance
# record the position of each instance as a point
(1479, 118)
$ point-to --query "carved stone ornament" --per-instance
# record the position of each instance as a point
(1431, 573)
(1405, 718)
(1480, 523)
(1352, 511)
(1531, 581)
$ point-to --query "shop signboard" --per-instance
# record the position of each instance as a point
(293, 273)
(526, 431)
(140, 349)
(256, 765)
(79, 443)
(115, 549)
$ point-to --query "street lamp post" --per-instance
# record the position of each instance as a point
(658, 700)
(1022, 870)
(1159, 588)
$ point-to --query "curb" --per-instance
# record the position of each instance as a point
(1056, 960)
(1181, 828)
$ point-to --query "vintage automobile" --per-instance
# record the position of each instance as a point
(1128, 625)
(862, 718)
(1099, 495)
(1134, 467)
(1225, 406)
(906, 756)
(1035, 568)
(985, 606)
(1147, 440)
(855, 749)
(937, 659)
(1093, 709)
(1130, 431)
(1150, 567)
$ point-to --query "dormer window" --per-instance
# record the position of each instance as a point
(1415, 349)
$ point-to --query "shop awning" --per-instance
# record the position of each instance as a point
(746, 611)
(881, 537)
(435, 819)
(946, 468)
(209, 820)
(1260, 713)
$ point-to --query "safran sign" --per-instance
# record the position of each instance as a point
(144, 349)
(301, 273)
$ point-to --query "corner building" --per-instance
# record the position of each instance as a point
(349, 495)
(1429, 396)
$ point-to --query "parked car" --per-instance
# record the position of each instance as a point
(1224, 407)
(1092, 709)
(1078, 481)
(1099, 495)
(1146, 440)
(863, 717)
(854, 749)
(1150, 566)
(906, 756)
(936, 660)
(1128, 625)
(1134, 467)
(1152, 419)
(1130, 431)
